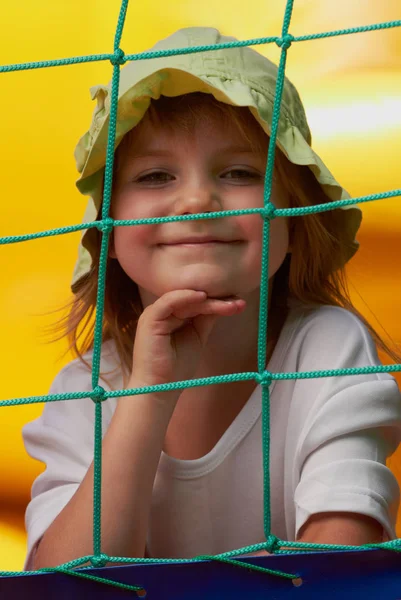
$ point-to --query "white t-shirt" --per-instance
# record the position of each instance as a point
(330, 438)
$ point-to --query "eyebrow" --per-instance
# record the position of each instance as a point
(165, 153)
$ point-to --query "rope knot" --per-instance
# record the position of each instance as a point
(98, 394)
(264, 378)
(269, 212)
(285, 41)
(99, 561)
(272, 544)
(106, 225)
(118, 58)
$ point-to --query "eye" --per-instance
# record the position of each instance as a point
(242, 174)
(155, 177)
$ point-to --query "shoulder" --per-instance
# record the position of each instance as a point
(349, 408)
(77, 415)
(76, 376)
(328, 319)
(326, 335)
(330, 338)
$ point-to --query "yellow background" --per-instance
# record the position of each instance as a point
(351, 87)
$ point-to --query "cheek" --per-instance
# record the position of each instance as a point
(126, 238)
(124, 206)
(132, 239)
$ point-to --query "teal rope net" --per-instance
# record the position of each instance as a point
(98, 394)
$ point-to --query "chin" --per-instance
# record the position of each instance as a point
(214, 289)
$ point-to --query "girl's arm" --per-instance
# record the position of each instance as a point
(349, 529)
(170, 338)
(343, 529)
(131, 453)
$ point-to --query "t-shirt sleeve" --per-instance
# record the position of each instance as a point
(342, 429)
(63, 439)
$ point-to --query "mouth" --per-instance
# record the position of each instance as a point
(206, 242)
(199, 245)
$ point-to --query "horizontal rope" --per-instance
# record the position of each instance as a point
(282, 545)
(98, 394)
(190, 383)
(106, 224)
(61, 62)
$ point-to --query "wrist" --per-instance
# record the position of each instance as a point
(162, 398)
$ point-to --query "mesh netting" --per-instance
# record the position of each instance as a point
(98, 394)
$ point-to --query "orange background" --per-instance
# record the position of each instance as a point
(351, 88)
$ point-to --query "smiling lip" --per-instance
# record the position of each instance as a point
(196, 241)
(203, 244)
(193, 243)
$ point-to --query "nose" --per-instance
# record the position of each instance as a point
(202, 198)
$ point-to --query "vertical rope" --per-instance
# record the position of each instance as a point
(98, 394)
(285, 42)
(106, 227)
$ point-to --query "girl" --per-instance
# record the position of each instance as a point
(182, 471)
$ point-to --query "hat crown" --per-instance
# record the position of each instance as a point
(239, 62)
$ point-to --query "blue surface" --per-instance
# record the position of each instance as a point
(369, 575)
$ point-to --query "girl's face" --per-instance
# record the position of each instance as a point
(213, 169)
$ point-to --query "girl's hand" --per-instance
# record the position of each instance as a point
(172, 333)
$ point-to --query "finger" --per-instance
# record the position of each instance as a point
(171, 302)
(211, 306)
(169, 313)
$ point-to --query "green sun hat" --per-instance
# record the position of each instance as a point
(238, 76)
